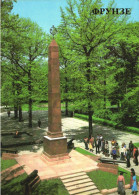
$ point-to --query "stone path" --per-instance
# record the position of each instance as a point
(47, 170)
(71, 127)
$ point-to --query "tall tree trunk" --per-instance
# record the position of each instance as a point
(104, 106)
(90, 114)
(15, 111)
(30, 99)
(90, 109)
(20, 113)
(30, 112)
(66, 90)
(66, 101)
(66, 109)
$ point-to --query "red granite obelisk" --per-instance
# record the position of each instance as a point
(55, 144)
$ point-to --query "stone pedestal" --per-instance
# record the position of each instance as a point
(55, 147)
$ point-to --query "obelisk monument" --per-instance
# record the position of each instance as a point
(55, 144)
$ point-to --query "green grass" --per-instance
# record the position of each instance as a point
(82, 151)
(35, 107)
(7, 163)
(51, 187)
(14, 186)
(39, 106)
(106, 180)
(136, 144)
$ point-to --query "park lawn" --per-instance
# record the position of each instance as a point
(35, 107)
(7, 163)
(39, 106)
(136, 144)
(82, 151)
(14, 186)
(50, 187)
(106, 180)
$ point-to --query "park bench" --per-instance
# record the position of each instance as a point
(111, 161)
(70, 145)
(31, 182)
(8, 150)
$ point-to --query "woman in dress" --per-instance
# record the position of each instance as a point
(121, 184)
(134, 184)
(131, 177)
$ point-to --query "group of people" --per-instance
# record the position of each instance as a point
(101, 145)
(133, 183)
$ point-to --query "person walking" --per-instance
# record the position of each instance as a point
(114, 153)
(136, 156)
(92, 142)
(131, 146)
(117, 150)
(39, 123)
(8, 112)
(90, 146)
(106, 148)
(86, 143)
(97, 145)
(134, 184)
(122, 157)
(131, 177)
(121, 184)
(128, 158)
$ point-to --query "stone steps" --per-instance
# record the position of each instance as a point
(77, 182)
(15, 175)
(11, 173)
(80, 184)
(72, 175)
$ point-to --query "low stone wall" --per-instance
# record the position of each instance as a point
(111, 168)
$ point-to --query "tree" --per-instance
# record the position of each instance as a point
(24, 44)
(88, 32)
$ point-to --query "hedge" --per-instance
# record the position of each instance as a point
(108, 122)
(132, 129)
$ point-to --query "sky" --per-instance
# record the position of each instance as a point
(47, 12)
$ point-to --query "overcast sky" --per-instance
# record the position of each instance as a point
(47, 12)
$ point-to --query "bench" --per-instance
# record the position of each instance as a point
(9, 150)
(30, 182)
(111, 161)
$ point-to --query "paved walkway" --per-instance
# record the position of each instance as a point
(46, 170)
(71, 127)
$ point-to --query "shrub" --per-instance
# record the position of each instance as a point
(132, 129)
(109, 123)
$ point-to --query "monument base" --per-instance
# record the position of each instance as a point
(55, 148)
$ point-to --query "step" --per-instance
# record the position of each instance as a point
(78, 182)
(82, 185)
(75, 178)
(72, 175)
(15, 175)
(91, 192)
(77, 191)
(11, 170)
